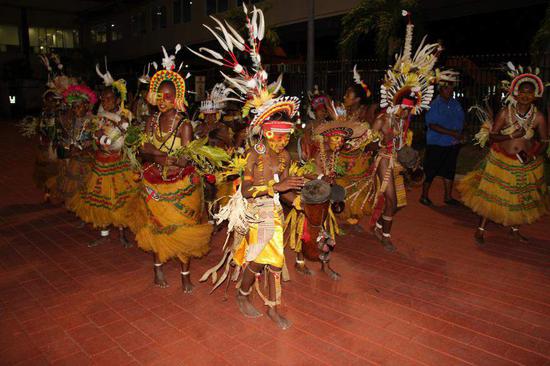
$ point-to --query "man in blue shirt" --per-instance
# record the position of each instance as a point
(445, 123)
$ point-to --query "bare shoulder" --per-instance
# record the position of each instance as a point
(540, 117)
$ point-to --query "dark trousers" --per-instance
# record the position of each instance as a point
(440, 161)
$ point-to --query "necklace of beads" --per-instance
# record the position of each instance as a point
(260, 166)
(526, 122)
(157, 130)
(328, 169)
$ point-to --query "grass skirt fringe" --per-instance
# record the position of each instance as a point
(174, 213)
(357, 164)
(111, 196)
(506, 191)
(71, 178)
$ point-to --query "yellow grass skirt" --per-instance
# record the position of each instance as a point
(506, 191)
(356, 164)
(111, 196)
(71, 178)
(174, 212)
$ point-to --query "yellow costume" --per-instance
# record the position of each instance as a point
(506, 191)
(264, 244)
(71, 178)
(356, 163)
(174, 204)
(111, 196)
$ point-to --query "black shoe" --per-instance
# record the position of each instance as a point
(452, 202)
(426, 201)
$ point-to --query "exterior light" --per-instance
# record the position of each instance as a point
(12, 99)
(112, 25)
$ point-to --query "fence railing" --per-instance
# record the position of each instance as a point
(480, 78)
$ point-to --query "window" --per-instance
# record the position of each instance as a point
(99, 33)
(42, 38)
(137, 24)
(9, 36)
(216, 6)
(158, 17)
(116, 34)
(240, 2)
(182, 11)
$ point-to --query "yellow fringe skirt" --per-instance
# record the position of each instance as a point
(356, 164)
(506, 191)
(174, 212)
(71, 178)
(111, 196)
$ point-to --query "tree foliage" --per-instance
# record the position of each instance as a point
(380, 18)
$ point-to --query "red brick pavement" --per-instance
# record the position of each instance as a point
(439, 300)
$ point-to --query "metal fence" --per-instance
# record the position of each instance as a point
(480, 79)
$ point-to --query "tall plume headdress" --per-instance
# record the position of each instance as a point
(409, 83)
(119, 85)
(250, 85)
(168, 74)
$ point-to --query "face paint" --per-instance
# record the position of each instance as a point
(526, 94)
(166, 99)
(335, 143)
(277, 141)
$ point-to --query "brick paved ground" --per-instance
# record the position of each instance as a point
(439, 301)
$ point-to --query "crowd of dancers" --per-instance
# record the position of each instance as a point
(151, 169)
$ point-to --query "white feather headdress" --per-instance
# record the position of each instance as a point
(250, 83)
(412, 75)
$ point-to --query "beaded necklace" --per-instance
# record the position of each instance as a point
(328, 169)
(260, 166)
(526, 121)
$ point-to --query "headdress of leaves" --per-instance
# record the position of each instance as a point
(410, 74)
(258, 96)
(81, 92)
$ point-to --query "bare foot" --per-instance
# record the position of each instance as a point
(388, 245)
(358, 229)
(303, 269)
(281, 321)
(377, 233)
(159, 280)
(124, 241)
(246, 307)
(332, 274)
(479, 236)
(98, 241)
(518, 236)
(186, 283)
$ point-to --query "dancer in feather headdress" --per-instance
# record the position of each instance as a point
(47, 125)
(111, 195)
(75, 144)
(176, 225)
(353, 157)
(407, 90)
(259, 238)
(311, 224)
(509, 186)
